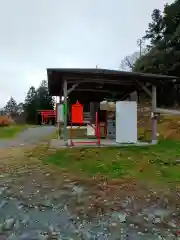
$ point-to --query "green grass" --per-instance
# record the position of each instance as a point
(11, 131)
(150, 163)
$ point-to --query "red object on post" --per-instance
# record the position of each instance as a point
(77, 117)
(77, 114)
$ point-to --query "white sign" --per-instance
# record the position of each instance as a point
(60, 113)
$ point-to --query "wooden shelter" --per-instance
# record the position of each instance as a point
(95, 85)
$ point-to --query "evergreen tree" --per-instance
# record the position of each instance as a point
(11, 107)
(44, 100)
(37, 100)
(20, 108)
(163, 33)
(163, 57)
(30, 106)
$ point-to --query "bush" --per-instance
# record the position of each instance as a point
(5, 121)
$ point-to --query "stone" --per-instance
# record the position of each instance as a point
(17, 225)
(33, 236)
(3, 203)
(47, 174)
(25, 220)
(124, 204)
(157, 220)
(9, 224)
(172, 224)
(113, 224)
(162, 213)
(51, 228)
(85, 235)
(13, 236)
(77, 190)
(2, 190)
(121, 217)
(48, 203)
(1, 228)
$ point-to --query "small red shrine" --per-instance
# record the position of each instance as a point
(47, 115)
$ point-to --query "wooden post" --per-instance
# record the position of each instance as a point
(154, 120)
(65, 111)
(58, 123)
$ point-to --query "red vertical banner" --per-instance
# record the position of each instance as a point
(77, 114)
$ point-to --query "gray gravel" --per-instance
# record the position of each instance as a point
(28, 137)
(33, 207)
(32, 214)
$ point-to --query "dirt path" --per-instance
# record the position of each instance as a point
(28, 137)
(40, 202)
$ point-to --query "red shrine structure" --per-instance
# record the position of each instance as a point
(47, 115)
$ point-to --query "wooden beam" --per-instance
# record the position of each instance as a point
(94, 90)
(72, 88)
(146, 90)
(102, 81)
(65, 111)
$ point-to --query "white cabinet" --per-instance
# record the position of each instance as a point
(126, 122)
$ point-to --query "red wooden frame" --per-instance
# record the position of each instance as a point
(46, 114)
(97, 134)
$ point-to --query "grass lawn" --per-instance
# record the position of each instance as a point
(152, 163)
(11, 131)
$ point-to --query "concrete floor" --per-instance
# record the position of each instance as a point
(55, 143)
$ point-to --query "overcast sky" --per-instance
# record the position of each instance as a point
(39, 34)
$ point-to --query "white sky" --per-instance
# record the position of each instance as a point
(39, 34)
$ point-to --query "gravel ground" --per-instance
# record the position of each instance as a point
(28, 137)
(38, 202)
(34, 206)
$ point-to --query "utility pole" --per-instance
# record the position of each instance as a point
(140, 43)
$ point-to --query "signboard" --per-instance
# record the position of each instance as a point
(60, 112)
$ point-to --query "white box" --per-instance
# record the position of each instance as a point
(90, 130)
(126, 122)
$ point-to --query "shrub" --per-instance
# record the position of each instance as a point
(5, 121)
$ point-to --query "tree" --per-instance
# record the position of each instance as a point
(20, 108)
(11, 107)
(164, 36)
(44, 100)
(37, 100)
(127, 64)
(155, 28)
(163, 57)
(2, 112)
(30, 105)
